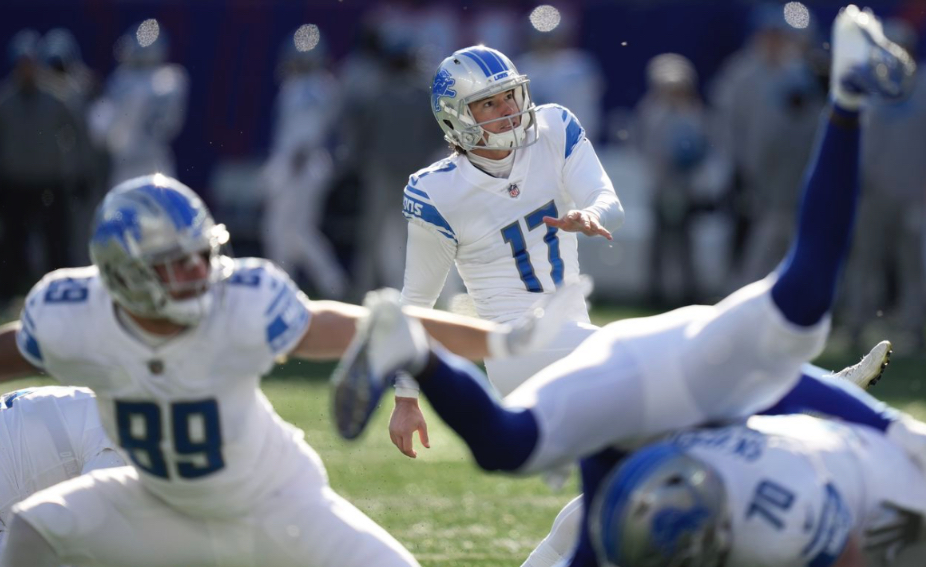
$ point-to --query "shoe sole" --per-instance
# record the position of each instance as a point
(884, 365)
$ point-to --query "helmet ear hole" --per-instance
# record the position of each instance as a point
(449, 124)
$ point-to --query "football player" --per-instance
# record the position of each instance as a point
(777, 491)
(48, 435)
(173, 337)
(505, 207)
(636, 379)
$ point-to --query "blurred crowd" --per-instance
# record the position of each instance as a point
(722, 154)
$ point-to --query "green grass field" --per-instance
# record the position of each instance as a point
(439, 505)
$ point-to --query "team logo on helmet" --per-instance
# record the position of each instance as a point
(441, 87)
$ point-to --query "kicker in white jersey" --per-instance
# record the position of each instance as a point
(492, 227)
(188, 414)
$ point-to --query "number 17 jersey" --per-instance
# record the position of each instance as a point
(493, 229)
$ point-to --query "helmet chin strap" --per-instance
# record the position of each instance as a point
(188, 311)
(505, 140)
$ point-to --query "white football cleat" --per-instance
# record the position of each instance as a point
(386, 342)
(870, 369)
(865, 62)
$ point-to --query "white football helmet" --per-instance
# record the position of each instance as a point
(661, 508)
(473, 74)
(156, 220)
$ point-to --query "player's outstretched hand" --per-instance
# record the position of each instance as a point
(579, 221)
(405, 421)
(541, 323)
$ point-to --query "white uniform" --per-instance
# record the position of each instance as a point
(48, 435)
(641, 378)
(138, 117)
(218, 477)
(492, 229)
(798, 487)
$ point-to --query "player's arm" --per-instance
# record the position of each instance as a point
(12, 363)
(333, 325)
(600, 212)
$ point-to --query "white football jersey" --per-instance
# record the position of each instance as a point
(47, 435)
(798, 487)
(188, 414)
(494, 228)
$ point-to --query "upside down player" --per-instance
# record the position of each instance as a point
(636, 379)
(173, 337)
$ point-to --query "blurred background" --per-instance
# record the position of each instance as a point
(299, 123)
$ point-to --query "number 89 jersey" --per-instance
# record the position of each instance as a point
(189, 414)
(493, 227)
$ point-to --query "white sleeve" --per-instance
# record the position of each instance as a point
(429, 256)
(587, 181)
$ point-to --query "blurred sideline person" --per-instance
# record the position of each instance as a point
(79, 85)
(563, 74)
(173, 336)
(48, 435)
(505, 208)
(893, 212)
(383, 158)
(640, 378)
(299, 171)
(768, 150)
(143, 107)
(671, 133)
(42, 143)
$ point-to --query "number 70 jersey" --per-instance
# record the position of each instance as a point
(493, 228)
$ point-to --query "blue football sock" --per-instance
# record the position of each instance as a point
(807, 278)
(499, 438)
(837, 398)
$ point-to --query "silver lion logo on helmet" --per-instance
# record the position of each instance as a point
(441, 87)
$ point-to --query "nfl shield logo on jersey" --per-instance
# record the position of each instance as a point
(513, 190)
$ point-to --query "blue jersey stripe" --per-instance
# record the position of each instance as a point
(574, 132)
(427, 213)
(420, 193)
(29, 346)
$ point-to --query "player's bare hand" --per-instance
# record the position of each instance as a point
(405, 421)
(579, 221)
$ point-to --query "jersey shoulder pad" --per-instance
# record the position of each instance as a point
(418, 204)
(559, 122)
(267, 305)
(55, 309)
(445, 165)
